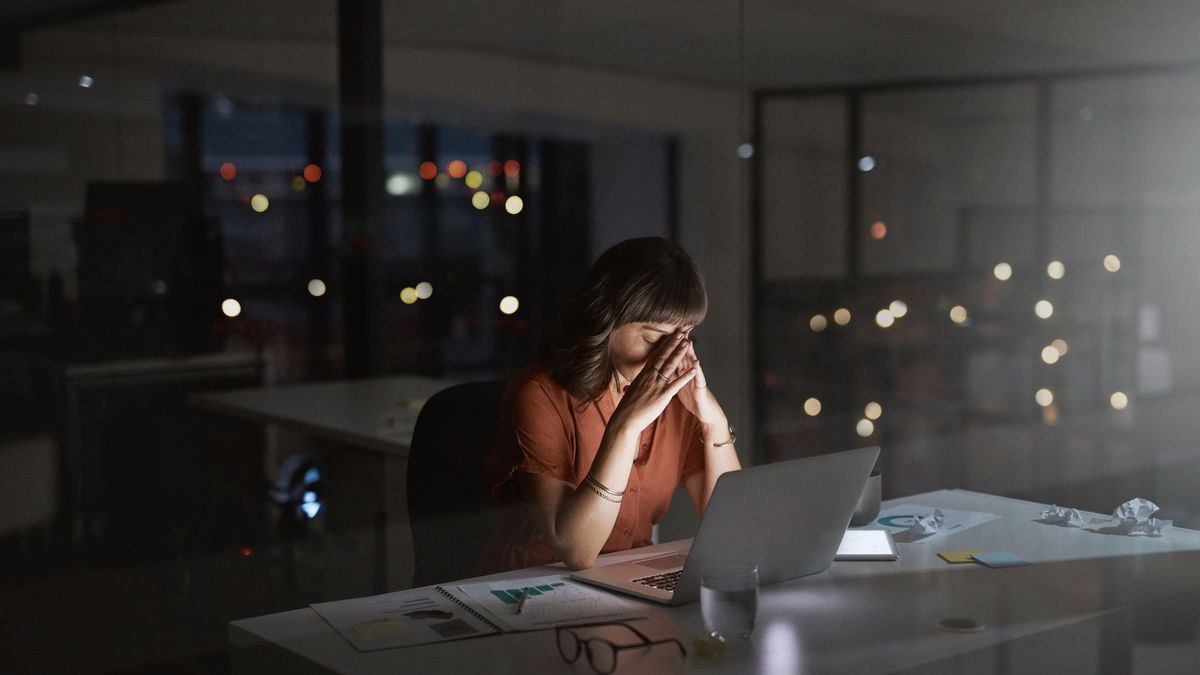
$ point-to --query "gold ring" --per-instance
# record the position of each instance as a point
(664, 377)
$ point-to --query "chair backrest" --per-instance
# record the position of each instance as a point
(449, 509)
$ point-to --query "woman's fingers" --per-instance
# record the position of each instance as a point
(674, 358)
(681, 381)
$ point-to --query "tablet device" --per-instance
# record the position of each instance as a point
(867, 545)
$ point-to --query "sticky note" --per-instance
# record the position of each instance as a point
(959, 557)
(1000, 559)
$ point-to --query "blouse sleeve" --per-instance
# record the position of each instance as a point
(533, 438)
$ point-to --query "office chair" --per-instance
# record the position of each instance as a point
(449, 509)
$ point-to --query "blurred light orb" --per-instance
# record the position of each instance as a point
(427, 170)
(32, 98)
(745, 150)
(408, 295)
(1118, 400)
(878, 230)
(866, 163)
(842, 316)
(812, 407)
(958, 314)
(865, 427)
(1044, 309)
(424, 290)
(873, 410)
(1060, 345)
(818, 323)
(231, 307)
(86, 81)
(442, 181)
(456, 168)
(898, 308)
(316, 288)
(474, 179)
(1050, 355)
(480, 200)
(228, 171)
(1044, 397)
(1112, 263)
(514, 205)
(223, 106)
(884, 318)
(509, 304)
(260, 203)
(1056, 269)
(312, 173)
(512, 168)
(400, 184)
(1086, 114)
(495, 168)
(298, 183)
(1002, 271)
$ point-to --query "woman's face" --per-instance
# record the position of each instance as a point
(631, 344)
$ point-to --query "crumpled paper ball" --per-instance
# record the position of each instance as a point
(928, 524)
(1058, 515)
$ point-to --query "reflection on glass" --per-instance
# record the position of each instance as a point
(231, 307)
(864, 428)
(1050, 354)
(812, 407)
(1044, 397)
(1118, 400)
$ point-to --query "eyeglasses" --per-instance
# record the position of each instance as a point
(602, 654)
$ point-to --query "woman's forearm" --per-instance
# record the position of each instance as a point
(717, 460)
(585, 519)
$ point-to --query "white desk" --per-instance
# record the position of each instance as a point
(376, 415)
(856, 617)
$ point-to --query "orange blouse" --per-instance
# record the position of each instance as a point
(544, 430)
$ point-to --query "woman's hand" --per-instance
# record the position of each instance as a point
(662, 378)
(697, 397)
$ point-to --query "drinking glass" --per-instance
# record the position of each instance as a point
(729, 599)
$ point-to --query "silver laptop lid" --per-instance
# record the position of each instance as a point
(787, 517)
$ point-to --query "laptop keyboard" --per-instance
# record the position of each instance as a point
(663, 582)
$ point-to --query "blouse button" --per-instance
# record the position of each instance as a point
(645, 446)
(628, 532)
(634, 490)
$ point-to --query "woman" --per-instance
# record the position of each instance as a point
(595, 437)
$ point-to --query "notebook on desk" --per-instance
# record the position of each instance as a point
(788, 518)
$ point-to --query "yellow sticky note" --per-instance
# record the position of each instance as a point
(958, 557)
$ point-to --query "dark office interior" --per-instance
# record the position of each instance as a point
(966, 232)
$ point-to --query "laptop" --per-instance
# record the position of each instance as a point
(787, 517)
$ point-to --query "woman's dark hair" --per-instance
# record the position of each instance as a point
(648, 279)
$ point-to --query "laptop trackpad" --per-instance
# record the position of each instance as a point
(666, 562)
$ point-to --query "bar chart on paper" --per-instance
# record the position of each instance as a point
(551, 601)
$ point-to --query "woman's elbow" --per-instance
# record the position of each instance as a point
(575, 558)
